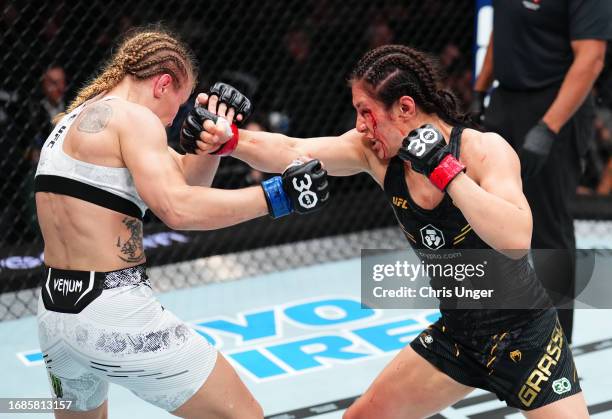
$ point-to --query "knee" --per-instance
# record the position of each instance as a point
(252, 410)
(368, 407)
(352, 413)
(365, 410)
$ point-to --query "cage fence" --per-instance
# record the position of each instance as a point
(291, 57)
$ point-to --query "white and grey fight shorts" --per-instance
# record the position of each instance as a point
(97, 328)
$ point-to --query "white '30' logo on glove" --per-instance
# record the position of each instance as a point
(307, 198)
(426, 136)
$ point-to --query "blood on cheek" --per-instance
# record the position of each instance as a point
(372, 120)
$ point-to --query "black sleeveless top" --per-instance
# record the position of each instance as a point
(443, 229)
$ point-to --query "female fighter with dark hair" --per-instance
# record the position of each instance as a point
(411, 138)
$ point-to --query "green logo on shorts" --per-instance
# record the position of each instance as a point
(562, 385)
(56, 384)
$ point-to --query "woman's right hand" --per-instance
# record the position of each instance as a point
(204, 132)
(207, 128)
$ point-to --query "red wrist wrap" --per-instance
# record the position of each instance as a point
(229, 146)
(446, 171)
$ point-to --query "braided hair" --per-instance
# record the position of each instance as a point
(144, 53)
(392, 71)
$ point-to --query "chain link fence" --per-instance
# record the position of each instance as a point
(291, 57)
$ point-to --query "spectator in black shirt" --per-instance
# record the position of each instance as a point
(52, 103)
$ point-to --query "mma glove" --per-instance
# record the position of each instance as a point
(536, 149)
(193, 123)
(428, 153)
(302, 188)
(232, 98)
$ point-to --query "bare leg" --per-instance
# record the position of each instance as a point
(409, 387)
(222, 396)
(98, 413)
(573, 407)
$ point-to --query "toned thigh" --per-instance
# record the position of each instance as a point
(100, 412)
(573, 407)
(408, 387)
(222, 396)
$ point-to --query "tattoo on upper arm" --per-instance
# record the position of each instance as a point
(95, 118)
(132, 250)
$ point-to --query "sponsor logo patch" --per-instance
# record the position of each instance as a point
(516, 356)
(432, 237)
(561, 386)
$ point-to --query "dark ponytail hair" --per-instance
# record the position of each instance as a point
(392, 71)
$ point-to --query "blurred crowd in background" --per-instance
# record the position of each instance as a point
(295, 74)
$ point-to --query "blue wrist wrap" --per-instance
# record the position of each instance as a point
(278, 202)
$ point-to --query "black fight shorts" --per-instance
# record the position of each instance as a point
(528, 367)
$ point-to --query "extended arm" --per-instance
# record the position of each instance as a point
(162, 185)
(202, 134)
(342, 156)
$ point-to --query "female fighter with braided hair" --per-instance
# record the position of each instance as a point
(104, 164)
(435, 171)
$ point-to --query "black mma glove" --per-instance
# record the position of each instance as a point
(536, 148)
(232, 98)
(477, 108)
(429, 155)
(193, 124)
(302, 188)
